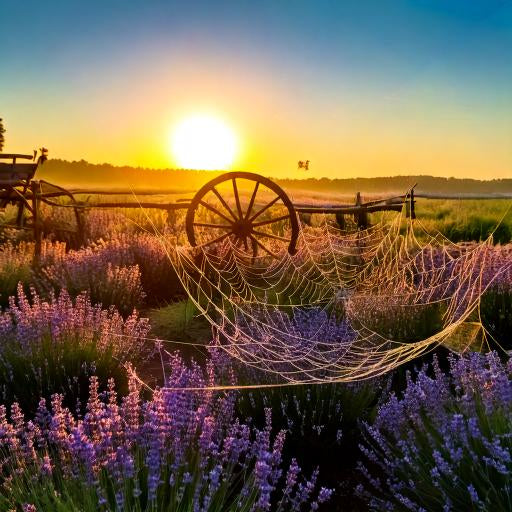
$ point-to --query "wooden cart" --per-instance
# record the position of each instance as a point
(18, 188)
(252, 211)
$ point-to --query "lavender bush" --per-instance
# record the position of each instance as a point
(15, 262)
(322, 426)
(122, 272)
(446, 444)
(178, 451)
(496, 306)
(55, 345)
(110, 224)
(321, 420)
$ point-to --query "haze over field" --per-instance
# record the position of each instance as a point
(82, 174)
(358, 88)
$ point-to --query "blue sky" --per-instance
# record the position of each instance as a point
(317, 75)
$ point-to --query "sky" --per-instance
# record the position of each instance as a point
(359, 88)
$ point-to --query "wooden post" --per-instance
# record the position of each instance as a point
(19, 216)
(34, 185)
(410, 212)
(361, 216)
(359, 220)
(413, 201)
(340, 219)
(80, 225)
(171, 217)
(305, 218)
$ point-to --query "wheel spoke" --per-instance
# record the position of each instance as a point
(216, 240)
(215, 226)
(253, 197)
(223, 202)
(271, 235)
(214, 210)
(242, 240)
(262, 246)
(274, 201)
(237, 199)
(270, 221)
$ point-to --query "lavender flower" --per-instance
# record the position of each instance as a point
(454, 428)
(188, 444)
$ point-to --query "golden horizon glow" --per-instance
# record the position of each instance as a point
(203, 142)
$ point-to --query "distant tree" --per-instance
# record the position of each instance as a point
(2, 131)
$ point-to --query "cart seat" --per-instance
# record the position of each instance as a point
(16, 174)
(15, 177)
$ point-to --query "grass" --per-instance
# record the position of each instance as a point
(468, 220)
(179, 326)
(180, 321)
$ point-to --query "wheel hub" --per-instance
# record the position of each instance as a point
(242, 228)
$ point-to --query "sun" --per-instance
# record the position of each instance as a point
(203, 142)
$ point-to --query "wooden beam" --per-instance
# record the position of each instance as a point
(15, 156)
(351, 210)
(161, 206)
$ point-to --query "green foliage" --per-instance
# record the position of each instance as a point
(15, 267)
(496, 315)
(55, 367)
(181, 321)
(477, 229)
(467, 220)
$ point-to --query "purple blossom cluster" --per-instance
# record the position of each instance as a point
(433, 289)
(445, 444)
(441, 271)
(308, 344)
(186, 448)
(121, 271)
(499, 268)
(29, 321)
(109, 224)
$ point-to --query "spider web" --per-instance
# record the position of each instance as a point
(338, 309)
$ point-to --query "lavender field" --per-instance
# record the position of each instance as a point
(122, 390)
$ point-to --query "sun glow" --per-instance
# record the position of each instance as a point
(203, 142)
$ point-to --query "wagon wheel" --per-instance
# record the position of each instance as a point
(246, 208)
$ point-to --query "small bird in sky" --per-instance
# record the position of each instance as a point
(303, 164)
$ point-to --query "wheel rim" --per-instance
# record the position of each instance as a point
(246, 209)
